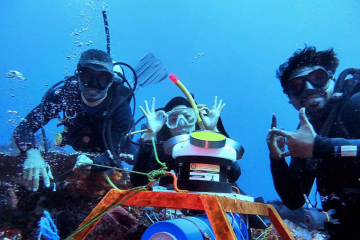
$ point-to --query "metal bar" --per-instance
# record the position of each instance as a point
(219, 222)
(213, 205)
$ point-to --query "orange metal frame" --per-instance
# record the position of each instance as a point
(214, 206)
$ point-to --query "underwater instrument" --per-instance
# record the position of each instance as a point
(192, 228)
(220, 220)
(177, 82)
(204, 158)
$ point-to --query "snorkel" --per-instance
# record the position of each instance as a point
(177, 82)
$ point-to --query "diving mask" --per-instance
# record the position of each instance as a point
(95, 79)
(181, 117)
(318, 78)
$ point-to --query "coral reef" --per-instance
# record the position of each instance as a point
(77, 195)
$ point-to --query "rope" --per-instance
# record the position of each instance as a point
(110, 182)
(175, 183)
(115, 168)
(155, 152)
(152, 176)
(156, 174)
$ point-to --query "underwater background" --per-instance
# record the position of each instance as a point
(230, 49)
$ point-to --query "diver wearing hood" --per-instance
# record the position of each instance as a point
(179, 118)
(87, 99)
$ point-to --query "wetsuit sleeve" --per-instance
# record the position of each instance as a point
(291, 182)
(24, 133)
(340, 147)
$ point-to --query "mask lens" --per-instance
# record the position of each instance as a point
(295, 85)
(318, 77)
(186, 116)
(104, 79)
(85, 76)
(98, 80)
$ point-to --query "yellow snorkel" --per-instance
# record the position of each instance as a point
(175, 80)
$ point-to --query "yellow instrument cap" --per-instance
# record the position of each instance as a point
(206, 139)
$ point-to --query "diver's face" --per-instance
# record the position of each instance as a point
(182, 128)
(314, 98)
(93, 84)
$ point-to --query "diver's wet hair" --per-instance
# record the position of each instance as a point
(307, 57)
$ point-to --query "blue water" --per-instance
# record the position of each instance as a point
(242, 42)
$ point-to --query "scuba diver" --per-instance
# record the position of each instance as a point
(179, 118)
(88, 99)
(325, 145)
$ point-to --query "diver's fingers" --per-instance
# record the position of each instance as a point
(220, 104)
(153, 105)
(222, 107)
(159, 113)
(164, 120)
(147, 107)
(285, 154)
(271, 138)
(30, 174)
(201, 115)
(49, 172)
(142, 109)
(45, 177)
(207, 110)
(274, 121)
(215, 102)
(36, 177)
(303, 118)
(280, 132)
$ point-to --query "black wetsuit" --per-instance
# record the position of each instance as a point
(83, 124)
(338, 177)
(146, 162)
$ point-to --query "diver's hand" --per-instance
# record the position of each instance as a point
(276, 143)
(82, 162)
(34, 167)
(154, 125)
(300, 142)
(211, 119)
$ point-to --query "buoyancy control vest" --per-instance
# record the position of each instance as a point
(90, 132)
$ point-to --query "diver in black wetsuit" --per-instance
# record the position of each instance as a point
(325, 146)
(179, 118)
(88, 99)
